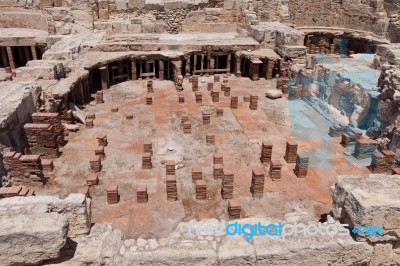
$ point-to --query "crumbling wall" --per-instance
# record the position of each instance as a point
(367, 15)
(22, 101)
(76, 209)
(371, 201)
(389, 101)
(185, 246)
(30, 238)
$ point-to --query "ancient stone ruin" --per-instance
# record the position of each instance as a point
(138, 132)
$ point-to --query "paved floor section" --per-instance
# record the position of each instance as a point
(239, 133)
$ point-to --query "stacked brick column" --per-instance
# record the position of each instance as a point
(227, 184)
(364, 148)
(227, 91)
(102, 140)
(195, 83)
(197, 173)
(95, 163)
(275, 170)
(187, 127)
(291, 152)
(181, 98)
(257, 183)
(99, 150)
(150, 86)
(383, 162)
(141, 194)
(146, 161)
(234, 102)
(210, 138)
(42, 140)
(253, 102)
(234, 209)
(148, 147)
(266, 152)
(206, 118)
(92, 179)
(24, 169)
(99, 97)
(172, 190)
(112, 194)
(215, 95)
(199, 97)
(53, 119)
(301, 166)
(218, 161)
(201, 189)
(149, 99)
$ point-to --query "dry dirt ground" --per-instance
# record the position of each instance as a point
(239, 133)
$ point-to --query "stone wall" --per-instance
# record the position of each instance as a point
(67, 17)
(76, 209)
(25, 20)
(357, 201)
(367, 15)
(371, 201)
(31, 238)
(22, 101)
(389, 86)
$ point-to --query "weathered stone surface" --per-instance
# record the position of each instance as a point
(186, 254)
(309, 250)
(75, 208)
(101, 247)
(372, 201)
(274, 94)
(31, 238)
(236, 251)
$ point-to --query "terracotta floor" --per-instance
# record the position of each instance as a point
(238, 137)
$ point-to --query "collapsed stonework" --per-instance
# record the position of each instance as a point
(357, 201)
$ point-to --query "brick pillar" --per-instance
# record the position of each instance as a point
(10, 57)
(212, 65)
(237, 70)
(177, 73)
(133, 70)
(104, 77)
(160, 70)
(228, 64)
(34, 54)
(270, 69)
(187, 66)
(42, 140)
(27, 55)
(4, 56)
(254, 69)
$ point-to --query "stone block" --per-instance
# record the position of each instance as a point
(121, 5)
(175, 4)
(136, 4)
(134, 28)
(311, 250)
(372, 201)
(236, 250)
(103, 13)
(31, 238)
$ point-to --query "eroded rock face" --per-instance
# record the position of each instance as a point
(75, 209)
(371, 201)
(31, 238)
(187, 246)
(389, 103)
